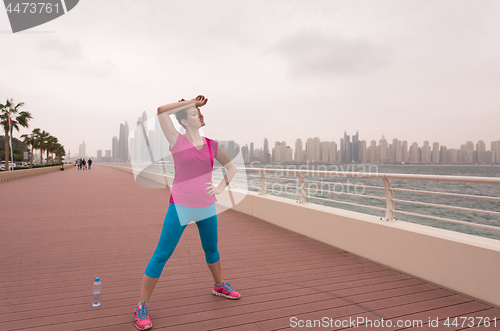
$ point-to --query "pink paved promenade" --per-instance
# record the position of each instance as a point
(61, 230)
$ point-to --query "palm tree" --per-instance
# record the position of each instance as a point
(42, 143)
(36, 145)
(11, 111)
(60, 152)
(51, 144)
(30, 139)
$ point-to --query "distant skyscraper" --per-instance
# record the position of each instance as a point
(363, 157)
(414, 153)
(404, 151)
(160, 143)
(99, 155)
(125, 154)
(244, 153)
(372, 152)
(150, 152)
(82, 152)
(356, 149)
(280, 151)
(114, 147)
(435, 153)
(121, 137)
(452, 156)
(313, 149)
(396, 151)
(493, 150)
(346, 148)
(443, 155)
(467, 153)
(122, 153)
(298, 157)
(251, 150)
(289, 153)
(426, 152)
(317, 148)
(145, 138)
(383, 149)
(461, 154)
(496, 151)
(267, 156)
(140, 149)
(324, 148)
(481, 150)
(328, 152)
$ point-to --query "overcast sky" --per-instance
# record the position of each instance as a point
(284, 69)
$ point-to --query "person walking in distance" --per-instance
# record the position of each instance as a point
(90, 163)
(192, 199)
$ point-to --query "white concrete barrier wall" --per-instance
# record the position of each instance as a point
(16, 174)
(462, 262)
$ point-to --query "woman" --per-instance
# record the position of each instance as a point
(192, 199)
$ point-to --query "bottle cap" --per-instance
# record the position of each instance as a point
(97, 279)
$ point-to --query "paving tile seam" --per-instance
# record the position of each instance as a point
(200, 275)
(364, 273)
(311, 311)
(234, 260)
(197, 268)
(235, 253)
(244, 313)
(229, 265)
(199, 310)
(345, 297)
(359, 267)
(278, 290)
(170, 292)
(197, 257)
(354, 294)
(192, 235)
(253, 303)
(249, 289)
(423, 310)
(362, 302)
(385, 317)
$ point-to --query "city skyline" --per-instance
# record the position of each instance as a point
(275, 69)
(383, 151)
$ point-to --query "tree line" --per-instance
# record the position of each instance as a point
(11, 117)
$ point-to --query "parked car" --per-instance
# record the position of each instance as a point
(11, 165)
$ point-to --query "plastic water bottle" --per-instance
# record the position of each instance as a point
(96, 298)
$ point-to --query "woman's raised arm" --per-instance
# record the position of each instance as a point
(165, 111)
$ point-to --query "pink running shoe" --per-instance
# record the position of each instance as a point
(225, 291)
(142, 320)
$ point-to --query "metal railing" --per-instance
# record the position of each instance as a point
(390, 205)
(302, 193)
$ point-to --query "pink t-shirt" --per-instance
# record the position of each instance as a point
(193, 169)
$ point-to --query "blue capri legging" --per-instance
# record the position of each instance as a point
(170, 236)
